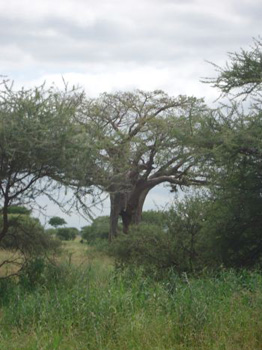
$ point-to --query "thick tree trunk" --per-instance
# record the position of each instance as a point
(133, 212)
(129, 206)
(5, 222)
(116, 202)
(138, 213)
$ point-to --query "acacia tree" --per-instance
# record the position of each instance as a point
(235, 219)
(240, 127)
(142, 140)
(242, 73)
(36, 144)
(56, 221)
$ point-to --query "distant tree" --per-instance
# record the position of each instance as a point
(67, 233)
(56, 221)
(99, 229)
(51, 231)
(19, 210)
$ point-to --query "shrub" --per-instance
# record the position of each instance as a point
(147, 246)
(175, 242)
(158, 218)
(67, 233)
(98, 231)
(27, 235)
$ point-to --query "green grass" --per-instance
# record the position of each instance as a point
(91, 306)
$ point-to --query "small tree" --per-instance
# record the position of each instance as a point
(37, 136)
(24, 240)
(56, 221)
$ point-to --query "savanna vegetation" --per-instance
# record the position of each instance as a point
(188, 277)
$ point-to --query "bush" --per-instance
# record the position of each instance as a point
(67, 233)
(196, 233)
(27, 235)
(147, 246)
(51, 231)
(175, 242)
(97, 232)
(40, 272)
(158, 218)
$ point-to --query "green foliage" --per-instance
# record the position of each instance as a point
(223, 229)
(67, 233)
(33, 273)
(96, 308)
(142, 139)
(234, 222)
(51, 231)
(18, 210)
(40, 272)
(154, 217)
(35, 130)
(39, 141)
(175, 241)
(56, 221)
(185, 221)
(28, 236)
(242, 72)
(97, 231)
(147, 246)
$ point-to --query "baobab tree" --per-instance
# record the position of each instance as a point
(141, 140)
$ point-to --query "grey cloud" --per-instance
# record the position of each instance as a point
(249, 10)
(167, 36)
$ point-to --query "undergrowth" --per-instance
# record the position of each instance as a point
(95, 307)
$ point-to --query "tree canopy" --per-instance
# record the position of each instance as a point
(56, 221)
(37, 144)
(236, 214)
(141, 139)
(242, 73)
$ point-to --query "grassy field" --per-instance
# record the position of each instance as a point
(86, 304)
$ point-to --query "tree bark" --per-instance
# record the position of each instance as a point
(117, 202)
(139, 209)
(5, 224)
(128, 206)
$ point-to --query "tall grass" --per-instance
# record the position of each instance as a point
(96, 307)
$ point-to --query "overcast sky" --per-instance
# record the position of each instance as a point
(107, 45)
